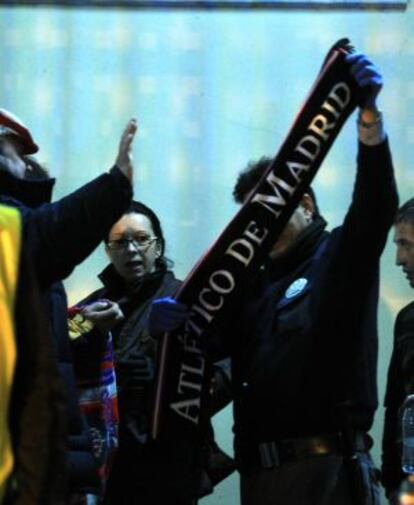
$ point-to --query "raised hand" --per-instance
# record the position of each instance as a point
(124, 158)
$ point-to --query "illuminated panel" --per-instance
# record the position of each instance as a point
(220, 4)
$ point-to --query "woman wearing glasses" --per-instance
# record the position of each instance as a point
(137, 275)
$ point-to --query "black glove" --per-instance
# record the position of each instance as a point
(166, 315)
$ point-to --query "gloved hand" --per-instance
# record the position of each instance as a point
(166, 315)
(367, 76)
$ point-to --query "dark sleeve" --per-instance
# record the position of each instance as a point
(373, 207)
(351, 276)
(62, 234)
(221, 394)
(391, 441)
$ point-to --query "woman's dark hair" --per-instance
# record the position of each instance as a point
(250, 177)
(139, 208)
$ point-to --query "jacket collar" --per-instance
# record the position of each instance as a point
(32, 193)
(116, 285)
(301, 251)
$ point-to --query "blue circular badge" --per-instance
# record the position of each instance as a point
(296, 287)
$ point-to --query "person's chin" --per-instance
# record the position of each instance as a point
(135, 274)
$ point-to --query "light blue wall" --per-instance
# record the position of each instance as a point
(211, 90)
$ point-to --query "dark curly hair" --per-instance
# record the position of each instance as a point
(250, 177)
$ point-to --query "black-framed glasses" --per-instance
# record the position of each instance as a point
(140, 242)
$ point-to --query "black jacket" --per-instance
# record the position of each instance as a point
(400, 384)
(58, 236)
(135, 353)
(134, 349)
(305, 340)
(132, 342)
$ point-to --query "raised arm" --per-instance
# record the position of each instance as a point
(352, 274)
(375, 198)
(62, 234)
